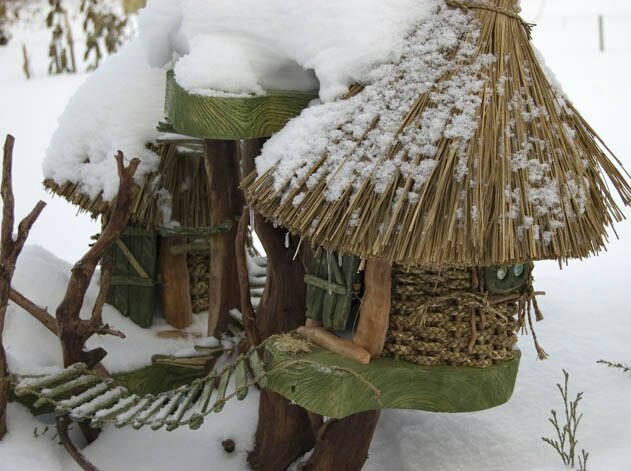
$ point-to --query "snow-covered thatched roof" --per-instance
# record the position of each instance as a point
(460, 152)
(216, 47)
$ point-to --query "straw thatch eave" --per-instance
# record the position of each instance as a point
(528, 181)
(176, 192)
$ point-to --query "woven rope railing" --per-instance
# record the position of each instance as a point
(83, 395)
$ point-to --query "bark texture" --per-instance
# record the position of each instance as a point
(343, 444)
(10, 249)
(226, 204)
(74, 332)
(176, 286)
(284, 431)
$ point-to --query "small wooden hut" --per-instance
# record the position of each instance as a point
(162, 262)
(448, 175)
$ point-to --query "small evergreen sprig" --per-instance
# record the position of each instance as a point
(620, 366)
(566, 440)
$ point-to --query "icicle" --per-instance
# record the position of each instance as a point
(340, 260)
(251, 217)
(297, 249)
(287, 240)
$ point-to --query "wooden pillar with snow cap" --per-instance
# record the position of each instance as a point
(223, 122)
(464, 176)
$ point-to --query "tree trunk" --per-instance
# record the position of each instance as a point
(176, 285)
(343, 444)
(226, 204)
(284, 430)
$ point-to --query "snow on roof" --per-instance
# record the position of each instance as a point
(246, 46)
(218, 47)
(117, 108)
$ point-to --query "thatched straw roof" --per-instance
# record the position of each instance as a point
(460, 153)
(177, 192)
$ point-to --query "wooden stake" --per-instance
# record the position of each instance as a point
(601, 33)
(374, 313)
(177, 306)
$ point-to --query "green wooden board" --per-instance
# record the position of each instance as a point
(133, 295)
(334, 386)
(231, 118)
(330, 289)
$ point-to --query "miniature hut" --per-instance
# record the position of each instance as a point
(459, 165)
(163, 258)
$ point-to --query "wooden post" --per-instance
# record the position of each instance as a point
(601, 33)
(284, 431)
(343, 444)
(226, 203)
(374, 314)
(177, 306)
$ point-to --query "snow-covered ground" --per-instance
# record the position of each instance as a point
(586, 307)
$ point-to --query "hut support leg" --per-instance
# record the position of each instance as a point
(343, 444)
(226, 204)
(284, 431)
(375, 309)
(176, 286)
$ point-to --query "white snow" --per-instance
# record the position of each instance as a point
(253, 43)
(586, 307)
(118, 108)
(334, 129)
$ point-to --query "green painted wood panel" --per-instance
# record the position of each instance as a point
(334, 386)
(330, 289)
(130, 293)
(231, 118)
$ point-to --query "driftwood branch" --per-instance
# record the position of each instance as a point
(74, 331)
(249, 316)
(101, 298)
(63, 422)
(10, 249)
(34, 310)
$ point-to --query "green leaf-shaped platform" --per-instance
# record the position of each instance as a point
(334, 386)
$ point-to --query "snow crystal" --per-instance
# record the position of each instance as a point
(374, 116)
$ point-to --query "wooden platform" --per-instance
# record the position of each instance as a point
(334, 386)
(231, 118)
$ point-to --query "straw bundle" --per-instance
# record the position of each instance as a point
(460, 153)
(176, 192)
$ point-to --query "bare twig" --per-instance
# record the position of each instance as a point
(620, 366)
(73, 330)
(63, 423)
(33, 309)
(10, 249)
